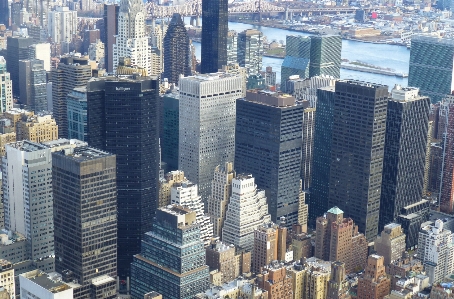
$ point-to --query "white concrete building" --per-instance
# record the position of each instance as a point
(246, 211)
(185, 194)
(96, 51)
(28, 198)
(6, 88)
(436, 250)
(39, 285)
(132, 41)
(62, 24)
(42, 52)
(207, 125)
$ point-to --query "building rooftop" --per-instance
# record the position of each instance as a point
(84, 153)
(51, 282)
(210, 77)
(335, 211)
(176, 210)
(27, 146)
(100, 280)
(362, 83)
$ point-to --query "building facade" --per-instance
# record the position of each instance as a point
(325, 57)
(170, 129)
(62, 24)
(110, 29)
(374, 283)
(77, 114)
(6, 89)
(391, 243)
(250, 50)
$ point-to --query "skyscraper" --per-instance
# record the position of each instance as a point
(176, 50)
(232, 46)
(404, 160)
(71, 72)
(17, 49)
(221, 189)
(32, 82)
(6, 88)
(296, 61)
(323, 128)
(172, 260)
(447, 164)
(62, 25)
(132, 40)
(250, 50)
(128, 129)
(170, 129)
(325, 56)
(356, 164)
(77, 114)
(214, 35)
(4, 12)
(431, 65)
(307, 150)
(268, 145)
(85, 205)
(247, 210)
(207, 125)
(28, 198)
(108, 33)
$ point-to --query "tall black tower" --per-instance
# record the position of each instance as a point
(123, 120)
(176, 50)
(214, 35)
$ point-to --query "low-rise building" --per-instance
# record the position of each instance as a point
(39, 285)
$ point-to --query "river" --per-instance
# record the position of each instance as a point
(390, 56)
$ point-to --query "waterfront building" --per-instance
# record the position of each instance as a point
(207, 125)
(232, 47)
(17, 49)
(325, 57)
(246, 211)
(172, 259)
(250, 50)
(72, 72)
(110, 29)
(337, 239)
(6, 88)
(77, 114)
(185, 194)
(176, 50)
(435, 250)
(374, 283)
(170, 129)
(296, 61)
(404, 161)
(356, 160)
(132, 40)
(431, 65)
(275, 280)
(274, 159)
(391, 243)
(62, 25)
(214, 35)
(93, 201)
(28, 211)
(128, 129)
(221, 190)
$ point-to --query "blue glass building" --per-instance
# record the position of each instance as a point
(77, 114)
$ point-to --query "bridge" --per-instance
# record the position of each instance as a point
(193, 9)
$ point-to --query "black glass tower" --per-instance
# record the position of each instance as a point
(176, 50)
(123, 119)
(214, 35)
(16, 49)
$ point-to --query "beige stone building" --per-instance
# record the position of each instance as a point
(374, 284)
(37, 128)
(310, 278)
(303, 211)
(166, 184)
(270, 244)
(338, 285)
(4, 139)
(7, 278)
(276, 281)
(391, 243)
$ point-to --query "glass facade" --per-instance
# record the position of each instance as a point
(77, 114)
(170, 130)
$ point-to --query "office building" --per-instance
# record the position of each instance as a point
(407, 124)
(165, 186)
(431, 65)
(270, 244)
(246, 211)
(6, 89)
(307, 148)
(28, 198)
(338, 286)
(207, 125)
(310, 278)
(41, 52)
(447, 162)
(221, 190)
(172, 260)
(275, 280)
(214, 35)
(271, 151)
(33, 84)
(132, 40)
(170, 129)
(411, 219)
(110, 18)
(37, 284)
(77, 114)
(185, 194)
(325, 57)
(128, 129)
(374, 283)
(16, 49)
(306, 89)
(232, 47)
(176, 50)
(4, 12)
(356, 160)
(62, 25)
(93, 201)
(250, 50)
(72, 72)
(337, 239)
(435, 251)
(296, 61)
(391, 243)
